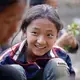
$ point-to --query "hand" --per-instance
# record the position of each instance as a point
(66, 39)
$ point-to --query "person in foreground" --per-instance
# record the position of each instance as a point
(10, 14)
(64, 39)
(34, 56)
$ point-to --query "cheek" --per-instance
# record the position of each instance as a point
(55, 39)
(29, 35)
(30, 39)
(6, 31)
(52, 42)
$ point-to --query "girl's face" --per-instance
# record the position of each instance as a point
(41, 36)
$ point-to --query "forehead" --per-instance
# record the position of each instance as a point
(43, 23)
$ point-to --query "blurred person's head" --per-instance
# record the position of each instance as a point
(36, 2)
(10, 14)
(49, 2)
(52, 3)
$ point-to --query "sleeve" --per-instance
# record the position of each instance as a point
(73, 50)
(5, 57)
(64, 55)
(69, 63)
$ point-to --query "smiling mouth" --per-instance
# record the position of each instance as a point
(40, 47)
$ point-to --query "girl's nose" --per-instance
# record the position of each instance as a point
(41, 40)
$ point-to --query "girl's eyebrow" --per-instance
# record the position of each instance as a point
(35, 28)
(49, 30)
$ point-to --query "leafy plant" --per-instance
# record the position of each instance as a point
(74, 29)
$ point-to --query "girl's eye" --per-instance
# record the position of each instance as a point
(34, 33)
(50, 35)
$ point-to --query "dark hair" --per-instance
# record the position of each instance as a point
(41, 11)
(6, 3)
(36, 2)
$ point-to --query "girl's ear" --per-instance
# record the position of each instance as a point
(25, 35)
(58, 34)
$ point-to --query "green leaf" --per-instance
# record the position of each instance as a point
(73, 28)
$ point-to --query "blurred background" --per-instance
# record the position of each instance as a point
(69, 10)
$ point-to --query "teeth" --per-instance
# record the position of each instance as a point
(39, 47)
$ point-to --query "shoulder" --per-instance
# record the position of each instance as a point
(9, 51)
(59, 51)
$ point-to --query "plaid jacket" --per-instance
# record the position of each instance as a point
(16, 55)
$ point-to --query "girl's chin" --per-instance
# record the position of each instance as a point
(38, 54)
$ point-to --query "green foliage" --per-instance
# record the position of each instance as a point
(73, 28)
(67, 47)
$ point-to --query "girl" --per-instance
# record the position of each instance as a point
(63, 40)
(41, 25)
